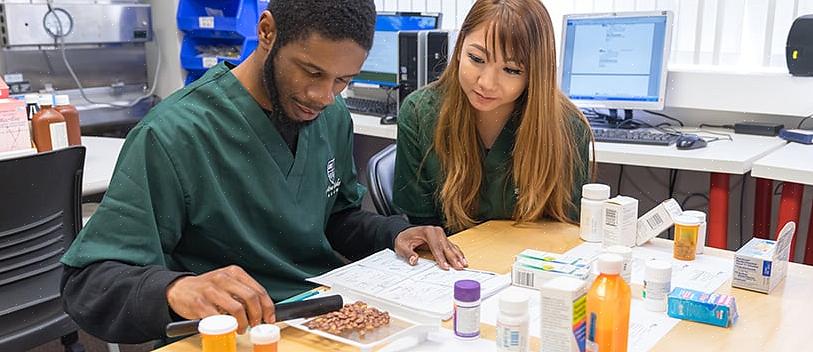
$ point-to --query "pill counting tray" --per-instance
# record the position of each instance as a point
(404, 322)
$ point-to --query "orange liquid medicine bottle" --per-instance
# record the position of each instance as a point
(608, 307)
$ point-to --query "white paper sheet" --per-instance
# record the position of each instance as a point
(646, 327)
(443, 340)
(706, 273)
(422, 295)
(386, 260)
(424, 286)
(361, 278)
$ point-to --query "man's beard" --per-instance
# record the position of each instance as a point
(272, 89)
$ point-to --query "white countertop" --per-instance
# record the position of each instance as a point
(770, 157)
(731, 157)
(371, 126)
(723, 156)
(100, 161)
(791, 163)
(101, 154)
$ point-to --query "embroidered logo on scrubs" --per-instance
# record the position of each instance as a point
(331, 171)
(333, 187)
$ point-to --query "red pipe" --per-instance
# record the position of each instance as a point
(718, 211)
(762, 208)
(789, 207)
(809, 242)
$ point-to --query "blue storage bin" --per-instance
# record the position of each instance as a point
(193, 59)
(193, 75)
(219, 18)
(217, 23)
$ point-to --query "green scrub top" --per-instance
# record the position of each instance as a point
(206, 181)
(418, 173)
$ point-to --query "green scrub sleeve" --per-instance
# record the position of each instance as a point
(581, 172)
(140, 217)
(413, 193)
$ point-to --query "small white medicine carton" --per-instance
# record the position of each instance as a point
(657, 220)
(533, 273)
(620, 221)
(563, 305)
(762, 264)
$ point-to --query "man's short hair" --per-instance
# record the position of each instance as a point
(332, 19)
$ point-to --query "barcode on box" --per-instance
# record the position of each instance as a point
(655, 221)
(611, 217)
(524, 278)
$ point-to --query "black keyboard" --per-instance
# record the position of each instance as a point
(648, 137)
(370, 107)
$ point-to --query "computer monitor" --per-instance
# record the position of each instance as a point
(381, 66)
(616, 60)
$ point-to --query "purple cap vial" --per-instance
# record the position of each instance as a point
(467, 291)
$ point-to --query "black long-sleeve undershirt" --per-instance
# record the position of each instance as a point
(126, 303)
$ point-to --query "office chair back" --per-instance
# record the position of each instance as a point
(40, 214)
(381, 177)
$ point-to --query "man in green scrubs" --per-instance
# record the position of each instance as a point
(235, 189)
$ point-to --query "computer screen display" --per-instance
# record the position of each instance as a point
(616, 60)
(406, 21)
(381, 66)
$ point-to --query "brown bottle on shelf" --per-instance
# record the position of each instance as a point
(50, 130)
(71, 115)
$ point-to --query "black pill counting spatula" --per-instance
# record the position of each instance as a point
(284, 311)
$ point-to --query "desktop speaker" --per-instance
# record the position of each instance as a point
(799, 49)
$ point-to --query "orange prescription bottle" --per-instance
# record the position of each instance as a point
(71, 115)
(608, 307)
(265, 337)
(218, 333)
(50, 131)
(687, 231)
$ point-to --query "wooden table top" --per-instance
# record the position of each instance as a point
(772, 322)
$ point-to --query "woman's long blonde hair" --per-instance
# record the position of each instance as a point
(545, 151)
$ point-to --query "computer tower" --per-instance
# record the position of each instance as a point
(422, 57)
(439, 47)
(408, 54)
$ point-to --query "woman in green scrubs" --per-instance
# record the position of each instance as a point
(493, 138)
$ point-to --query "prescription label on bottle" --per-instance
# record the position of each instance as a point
(510, 338)
(59, 135)
(467, 321)
(656, 290)
(590, 345)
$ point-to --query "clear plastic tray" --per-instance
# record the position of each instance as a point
(403, 322)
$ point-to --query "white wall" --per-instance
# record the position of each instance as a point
(168, 37)
(727, 55)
